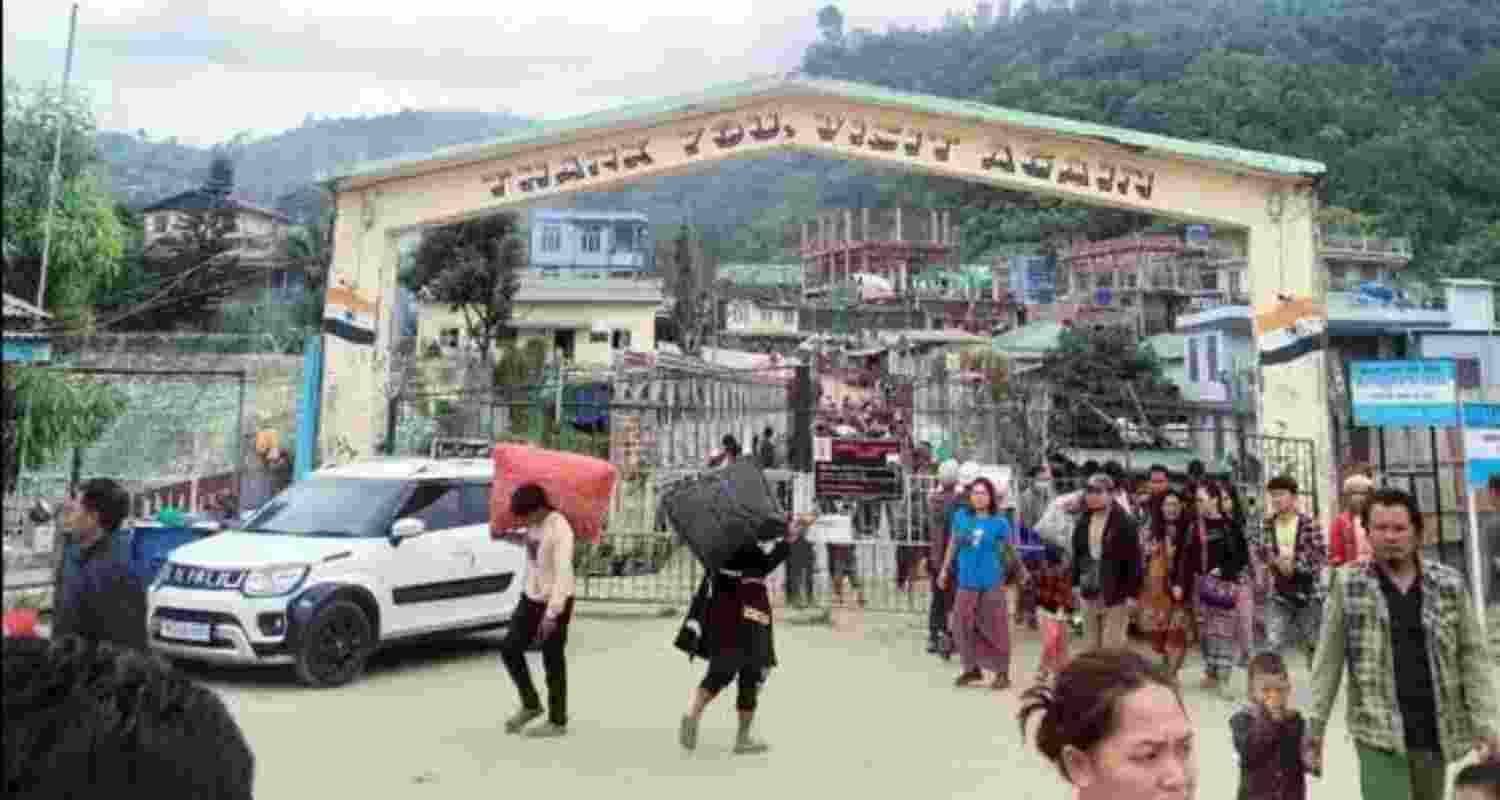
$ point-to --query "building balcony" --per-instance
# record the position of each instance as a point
(1332, 244)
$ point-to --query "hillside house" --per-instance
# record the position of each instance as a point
(259, 232)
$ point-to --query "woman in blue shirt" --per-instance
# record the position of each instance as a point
(980, 624)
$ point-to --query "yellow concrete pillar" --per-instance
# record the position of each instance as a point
(355, 373)
(1294, 398)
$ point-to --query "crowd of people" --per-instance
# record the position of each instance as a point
(1178, 563)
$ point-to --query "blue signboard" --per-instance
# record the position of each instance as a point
(1404, 394)
(1033, 279)
(27, 350)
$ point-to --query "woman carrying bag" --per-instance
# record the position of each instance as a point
(1223, 588)
(981, 547)
(734, 615)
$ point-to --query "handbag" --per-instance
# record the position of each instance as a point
(690, 636)
(1216, 592)
(1213, 591)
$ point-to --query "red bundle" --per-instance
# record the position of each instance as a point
(21, 623)
(578, 486)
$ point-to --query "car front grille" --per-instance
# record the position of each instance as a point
(194, 615)
(190, 577)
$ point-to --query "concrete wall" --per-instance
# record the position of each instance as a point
(273, 383)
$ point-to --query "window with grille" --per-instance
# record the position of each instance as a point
(1467, 368)
(1211, 356)
(591, 240)
(551, 239)
(159, 223)
(1192, 359)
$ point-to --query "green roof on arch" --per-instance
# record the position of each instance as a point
(726, 95)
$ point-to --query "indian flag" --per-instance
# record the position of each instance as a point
(348, 316)
(1291, 328)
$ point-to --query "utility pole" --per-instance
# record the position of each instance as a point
(62, 99)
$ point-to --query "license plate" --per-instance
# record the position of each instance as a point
(187, 631)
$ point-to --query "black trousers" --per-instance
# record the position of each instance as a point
(748, 681)
(799, 572)
(937, 611)
(518, 639)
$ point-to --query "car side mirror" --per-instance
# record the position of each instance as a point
(406, 528)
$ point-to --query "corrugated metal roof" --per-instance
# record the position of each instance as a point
(763, 275)
(728, 95)
(1168, 346)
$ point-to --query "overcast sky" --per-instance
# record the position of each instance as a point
(204, 71)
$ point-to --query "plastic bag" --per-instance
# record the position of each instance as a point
(1056, 525)
(578, 486)
(721, 511)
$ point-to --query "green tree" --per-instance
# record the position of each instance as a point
(473, 267)
(88, 241)
(689, 301)
(185, 275)
(1102, 375)
(48, 413)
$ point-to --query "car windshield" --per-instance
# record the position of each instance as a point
(330, 507)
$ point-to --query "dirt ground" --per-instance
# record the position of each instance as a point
(858, 711)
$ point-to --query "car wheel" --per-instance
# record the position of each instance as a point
(335, 645)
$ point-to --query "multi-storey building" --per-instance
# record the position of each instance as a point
(576, 243)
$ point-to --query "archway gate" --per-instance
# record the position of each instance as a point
(1272, 198)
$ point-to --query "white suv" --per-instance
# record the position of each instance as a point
(338, 564)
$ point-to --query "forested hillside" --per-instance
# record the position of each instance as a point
(1401, 99)
(275, 170)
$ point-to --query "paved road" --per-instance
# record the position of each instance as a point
(860, 713)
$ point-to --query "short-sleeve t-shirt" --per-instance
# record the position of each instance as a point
(979, 541)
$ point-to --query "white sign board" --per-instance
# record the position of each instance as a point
(1482, 447)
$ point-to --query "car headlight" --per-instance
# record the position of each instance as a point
(274, 581)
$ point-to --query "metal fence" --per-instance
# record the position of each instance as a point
(659, 426)
(178, 428)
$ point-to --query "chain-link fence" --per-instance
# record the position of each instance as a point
(177, 442)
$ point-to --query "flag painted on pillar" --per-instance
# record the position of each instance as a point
(348, 315)
(1289, 329)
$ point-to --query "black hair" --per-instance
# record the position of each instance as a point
(1267, 663)
(107, 499)
(1116, 471)
(86, 719)
(528, 499)
(1481, 776)
(1159, 523)
(731, 445)
(1195, 468)
(1390, 496)
(1495, 482)
(1079, 710)
(1282, 483)
(1155, 468)
(1090, 467)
